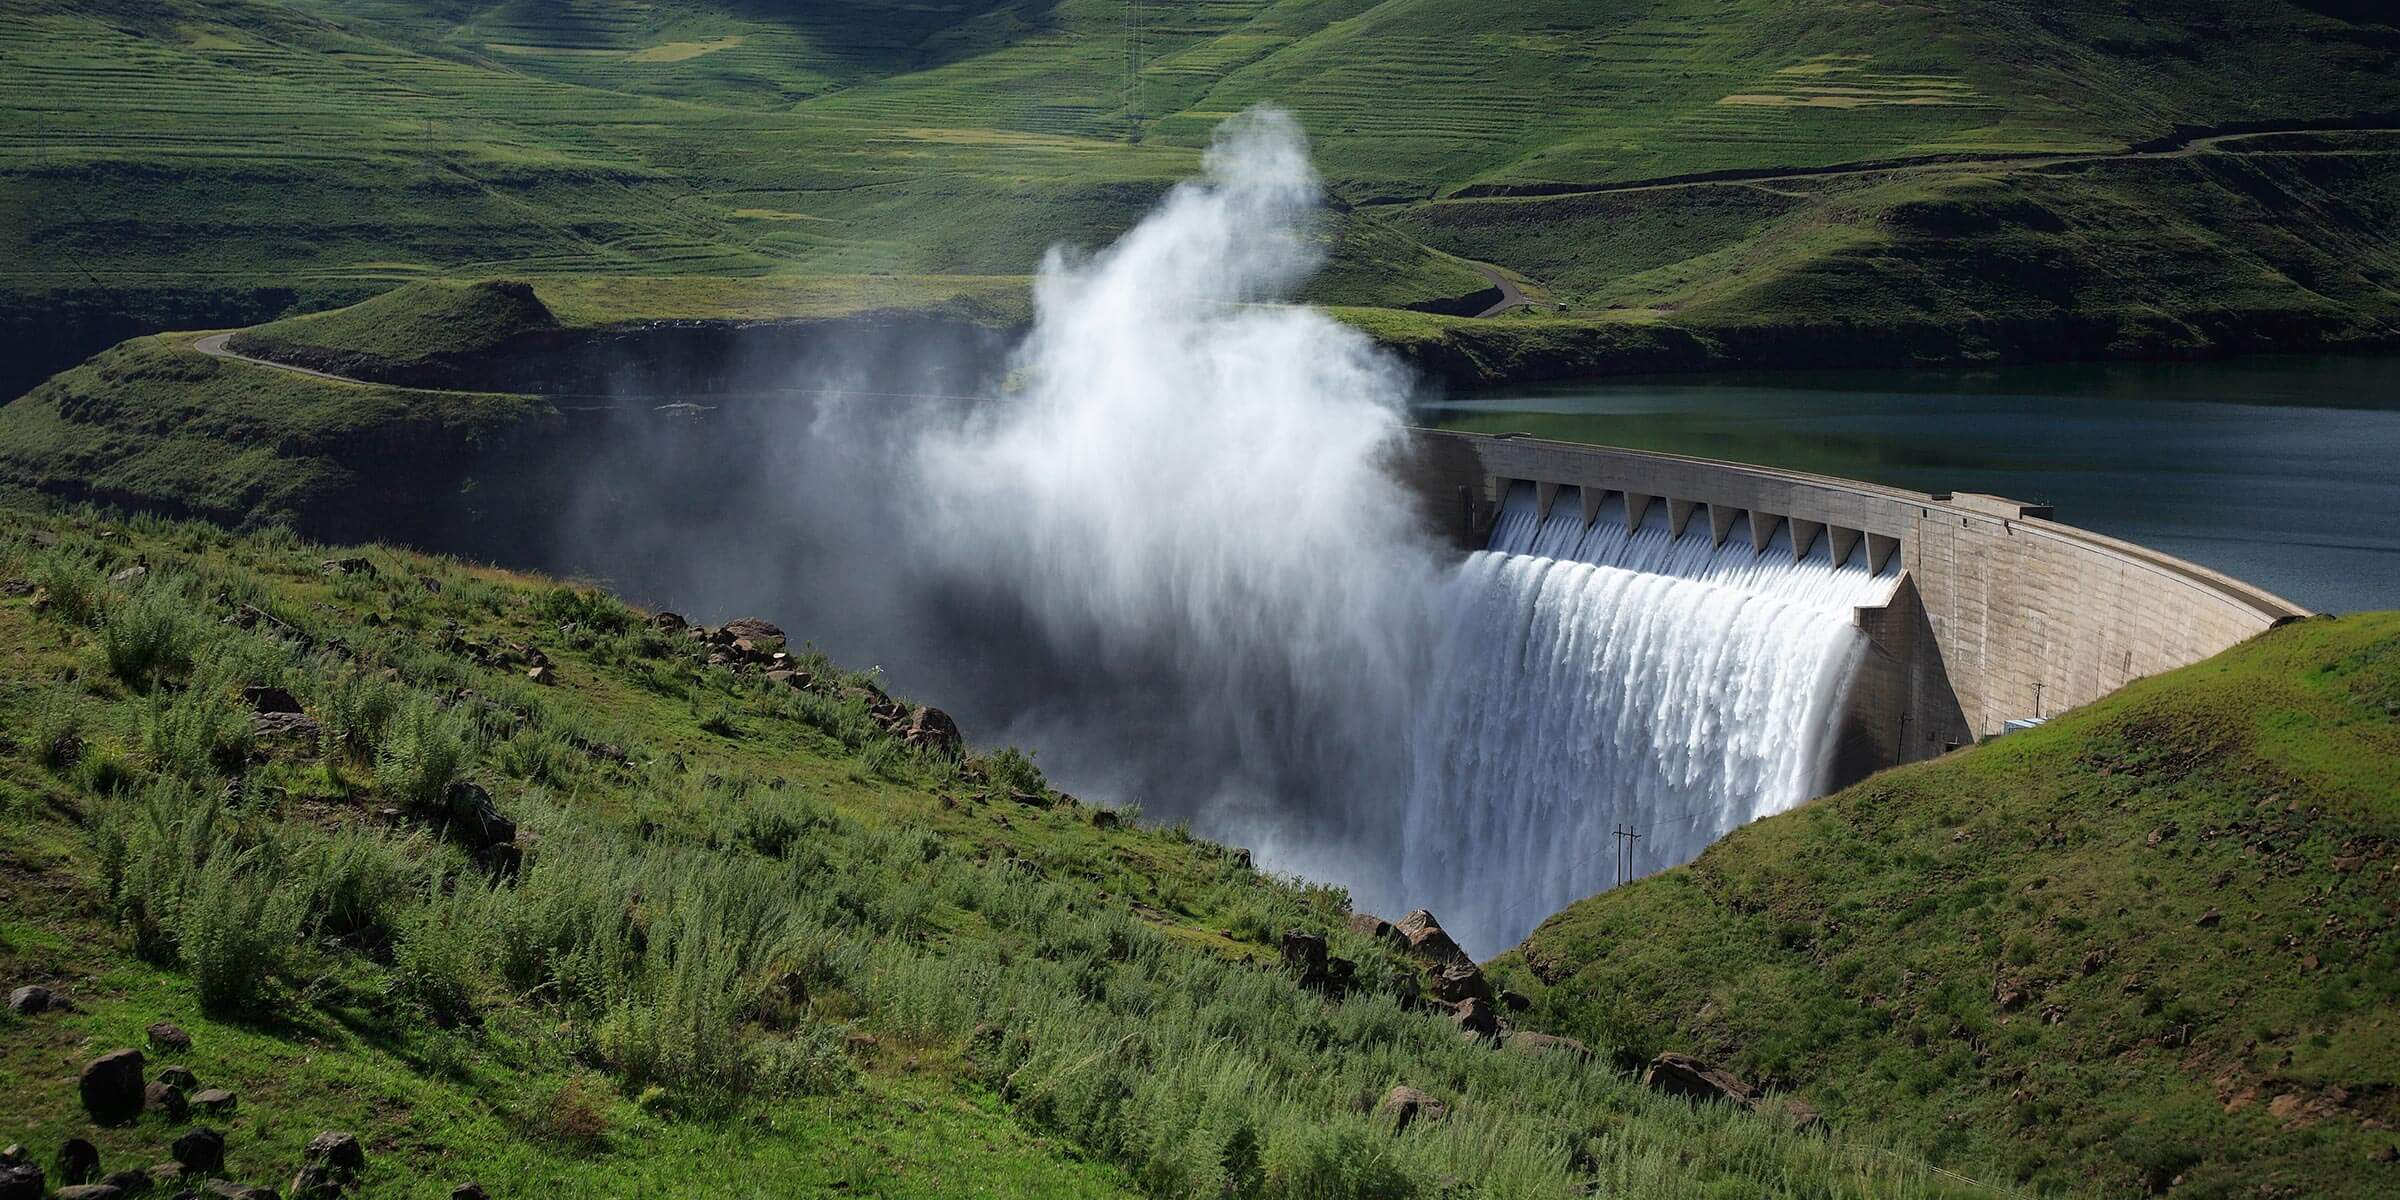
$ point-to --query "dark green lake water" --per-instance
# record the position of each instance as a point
(2282, 470)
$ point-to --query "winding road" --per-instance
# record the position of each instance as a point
(214, 346)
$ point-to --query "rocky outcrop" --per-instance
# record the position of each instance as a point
(1683, 1075)
(1427, 940)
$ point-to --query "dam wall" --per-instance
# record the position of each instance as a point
(2002, 612)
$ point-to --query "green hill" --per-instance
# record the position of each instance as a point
(2146, 947)
(539, 891)
(183, 165)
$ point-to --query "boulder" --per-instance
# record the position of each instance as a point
(336, 1152)
(129, 576)
(668, 622)
(226, 1189)
(78, 1161)
(112, 1087)
(1515, 1002)
(22, 1181)
(1407, 1105)
(166, 1100)
(1544, 1043)
(1304, 954)
(542, 675)
(89, 1191)
(1375, 928)
(1474, 1015)
(130, 1182)
(201, 1151)
(315, 1183)
(1683, 1075)
(1462, 981)
(353, 565)
(32, 1000)
(752, 628)
(932, 729)
(166, 1035)
(215, 1102)
(267, 699)
(180, 1077)
(502, 861)
(473, 820)
(1104, 818)
(469, 1191)
(167, 1175)
(1804, 1115)
(296, 729)
(1427, 940)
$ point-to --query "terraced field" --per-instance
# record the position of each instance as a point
(178, 163)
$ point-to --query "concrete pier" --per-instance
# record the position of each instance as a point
(2003, 613)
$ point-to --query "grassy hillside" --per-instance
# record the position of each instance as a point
(746, 934)
(2148, 946)
(196, 165)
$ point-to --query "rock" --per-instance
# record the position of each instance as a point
(180, 1077)
(1304, 954)
(1375, 928)
(1462, 981)
(315, 1183)
(1427, 941)
(216, 1102)
(469, 1191)
(267, 699)
(201, 1151)
(1515, 1002)
(1407, 1106)
(131, 1182)
(226, 1189)
(298, 729)
(129, 576)
(1241, 858)
(337, 1152)
(89, 1191)
(112, 1087)
(32, 1000)
(1104, 818)
(751, 628)
(22, 1181)
(542, 675)
(78, 1161)
(166, 1100)
(2209, 919)
(353, 565)
(1474, 1015)
(1683, 1075)
(167, 1175)
(166, 1035)
(1544, 1043)
(932, 729)
(1804, 1115)
(474, 821)
(668, 622)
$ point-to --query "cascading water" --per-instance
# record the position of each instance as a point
(1170, 556)
(1588, 678)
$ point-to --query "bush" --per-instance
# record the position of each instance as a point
(424, 750)
(238, 931)
(355, 709)
(145, 635)
(201, 733)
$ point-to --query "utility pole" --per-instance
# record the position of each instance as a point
(1626, 837)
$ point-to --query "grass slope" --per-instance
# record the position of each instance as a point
(189, 164)
(2147, 947)
(758, 944)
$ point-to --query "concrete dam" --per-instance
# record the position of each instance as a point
(1990, 611)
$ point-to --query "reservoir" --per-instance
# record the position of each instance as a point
(2280, 470)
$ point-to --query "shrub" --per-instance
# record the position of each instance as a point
(57, 731)
(200, 733)
(441, 953)
(72, 584)
(145, 635)
(594, 610)
(355, 709)
(424, 750)
(238, 932)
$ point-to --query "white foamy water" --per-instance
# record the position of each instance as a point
(1198, 586)
(1587, 678)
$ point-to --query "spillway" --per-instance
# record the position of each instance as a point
(1594, 673)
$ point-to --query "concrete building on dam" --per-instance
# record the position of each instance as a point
(2001, 613)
